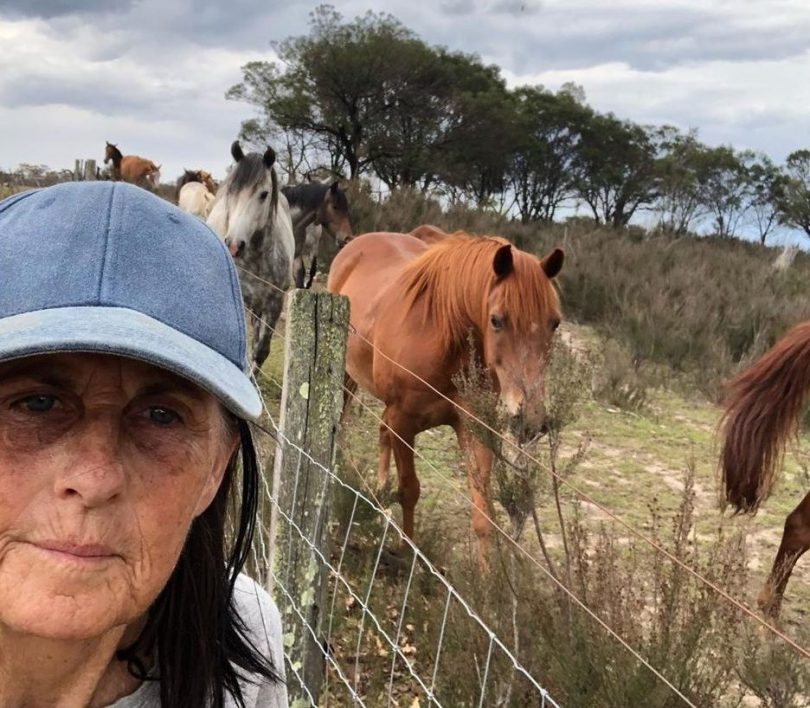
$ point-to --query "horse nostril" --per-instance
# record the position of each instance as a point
(544, 428)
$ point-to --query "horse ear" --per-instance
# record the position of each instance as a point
(552, 264)
(236, 151)
(503, 264)
(334, 187)
(269, 157)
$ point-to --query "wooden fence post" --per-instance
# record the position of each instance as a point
(311, 404)
(89, 170)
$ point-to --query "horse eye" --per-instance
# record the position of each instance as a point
(554, 324)
(263, 195)
(496, 322)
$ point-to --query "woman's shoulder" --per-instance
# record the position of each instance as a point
(262, 622)
(257, 610)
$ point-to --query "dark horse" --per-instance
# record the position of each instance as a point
(312, 206)
(762, 412)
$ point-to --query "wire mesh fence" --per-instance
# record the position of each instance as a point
(368, 618)
(379, 583)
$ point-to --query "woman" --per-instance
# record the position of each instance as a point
(123, 409)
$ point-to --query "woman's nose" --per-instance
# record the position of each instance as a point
(94, 472)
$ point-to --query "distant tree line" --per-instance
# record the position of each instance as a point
(369, 97)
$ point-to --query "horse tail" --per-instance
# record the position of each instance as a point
(762, 412)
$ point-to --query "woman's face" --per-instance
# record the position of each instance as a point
(104, 463)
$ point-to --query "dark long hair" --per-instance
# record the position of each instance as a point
(193, 625)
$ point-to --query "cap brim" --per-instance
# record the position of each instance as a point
(132, 334)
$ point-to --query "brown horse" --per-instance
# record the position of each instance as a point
(131, 168)
(429, 234)
(422, 308)
(762, 412)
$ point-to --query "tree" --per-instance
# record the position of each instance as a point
(793, 201)
(766, 184)
(542, 171)
(615, 168)
(480, 131)
(336, 83)
(726, 189)
(680, 159)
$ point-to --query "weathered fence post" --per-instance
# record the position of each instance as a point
(311, 404)
(89, 170)
(78, 170)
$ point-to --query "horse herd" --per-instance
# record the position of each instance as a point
(426, 303)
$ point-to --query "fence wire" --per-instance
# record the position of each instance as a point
(362, 608)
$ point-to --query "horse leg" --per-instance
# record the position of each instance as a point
(261, 345)
(478, 461)
(350, 389)
(300, 271)
(795, 541)
(261, 348)
(384, 465)
(402, 445)
(313, 269)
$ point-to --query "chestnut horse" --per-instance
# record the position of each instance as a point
(762, 412)
(131, 168)
(425, 308)
(429, 234)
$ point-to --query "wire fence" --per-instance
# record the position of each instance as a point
(372, 602)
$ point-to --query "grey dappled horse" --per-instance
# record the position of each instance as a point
(253, 217)
(313, 207)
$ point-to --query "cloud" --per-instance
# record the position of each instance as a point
(151, 74)
(47, 9)
(519, 8)
(763, 105)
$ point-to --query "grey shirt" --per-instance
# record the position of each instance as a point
(260, 615)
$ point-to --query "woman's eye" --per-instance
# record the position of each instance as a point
(162, 416)
(263, 195)
(38, 404)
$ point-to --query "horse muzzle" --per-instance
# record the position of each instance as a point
(235, 247)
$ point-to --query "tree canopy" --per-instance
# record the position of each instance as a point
(369, 97)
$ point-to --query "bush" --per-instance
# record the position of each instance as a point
(700, 306)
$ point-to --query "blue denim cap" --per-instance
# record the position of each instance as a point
(107, 267)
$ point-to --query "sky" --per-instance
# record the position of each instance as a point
(151, 75)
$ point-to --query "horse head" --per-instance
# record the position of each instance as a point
(111, 152)
(247, 201)
(333, 214)
(520, 314)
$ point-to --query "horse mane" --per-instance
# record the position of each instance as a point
(247, 173)
(460, 267)
(185, 178)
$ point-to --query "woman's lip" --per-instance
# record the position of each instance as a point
(80, 550)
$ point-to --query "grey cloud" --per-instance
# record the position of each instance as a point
(518, 7)
(458, 7)
(48, 9)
